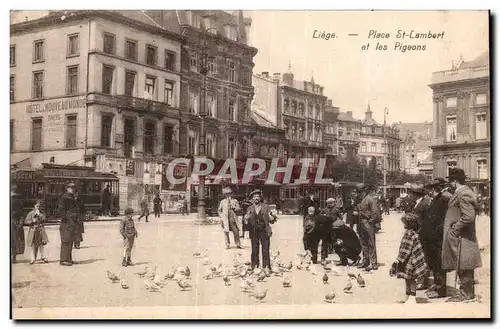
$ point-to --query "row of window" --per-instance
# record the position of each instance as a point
(72, 49)
(481, 127)
(246, 73)
(378, 148)
(301, 112)
(295, 131)
(479, 99)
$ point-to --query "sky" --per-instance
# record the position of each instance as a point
(353, 77)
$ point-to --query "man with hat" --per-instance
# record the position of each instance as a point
(346, 243)
(259, 218)
(309, 201)
(228, 208)
(17, 224)
(69, 212)
(460, 247)
(369, 213)
(350, 206)
(419, 205)
(431, 235)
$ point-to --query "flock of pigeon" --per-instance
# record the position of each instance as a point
(240, 270)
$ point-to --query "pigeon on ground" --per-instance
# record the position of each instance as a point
(260, 295)
(329, 297)
(142, 274)
(227, 281)
(124, 284)
(287, 282)
(348, 287)
(113, 277)
(361, 281)
(325, 278)
(262, 276)
(183, 284)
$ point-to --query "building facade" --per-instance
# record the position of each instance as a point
(461, 125)
(417, 141)
(330, 129)
(380, 142)
(104, 92)
(348, 134)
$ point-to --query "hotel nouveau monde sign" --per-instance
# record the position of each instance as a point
(52, 108)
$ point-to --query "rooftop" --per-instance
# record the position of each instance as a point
(476, 68)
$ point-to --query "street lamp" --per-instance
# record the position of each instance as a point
(203, 114)
(384, 171)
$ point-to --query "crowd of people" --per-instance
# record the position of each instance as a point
(439, 221)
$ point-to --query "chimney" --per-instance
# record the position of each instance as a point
(288, 79)
(329, 103)
(265, 74)
(349, 114)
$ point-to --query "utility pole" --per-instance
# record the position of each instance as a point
(384, 171)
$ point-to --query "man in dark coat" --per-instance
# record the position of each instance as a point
(17, 224)
(106, 201)
(350, 207)
(420, 202)
(259, 218)
(69, 212)
(460, 246)
(346, 243)
(369, 215)
(431, 235)
(157, 205)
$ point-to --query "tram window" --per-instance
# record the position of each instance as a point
(292, 193)
(39, 187)
(96, 187)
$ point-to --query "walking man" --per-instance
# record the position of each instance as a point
(228, 208)
(460, 246)
(69, 213)
(432, 235)
(144, 209)
(259, 218)
(369, 214)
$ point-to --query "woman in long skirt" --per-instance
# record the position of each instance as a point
(17, 226)
(37, 237)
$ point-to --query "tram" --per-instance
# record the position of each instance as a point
(48, 185)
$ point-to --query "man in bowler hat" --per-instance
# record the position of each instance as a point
(369, 214)
(228, 212)
(460, 247)
(69, 212)
(259, 218)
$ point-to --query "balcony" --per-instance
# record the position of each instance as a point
(133, 103)
(461, 74)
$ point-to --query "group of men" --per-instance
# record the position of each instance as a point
(258, 218)
(447, 212)
(362, 210)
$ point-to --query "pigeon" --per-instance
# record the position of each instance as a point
(351, 275)
(361, 281)
(287, 282)
(325, 278)
(313, 270)
(150, 286)
(289, 266)
(348, 287)
(142, 274)
(187, 272)
(227, 281)
(248, 263)
(262, 276)
(113, 277)
(170, 275)
(250, 283)
(124, 284)
(208, 275)
(197, 254)
(260, 295)
(329, 297)
(243, 272)
(183, 284)
(244, 287)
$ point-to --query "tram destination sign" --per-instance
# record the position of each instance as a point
(67, 173)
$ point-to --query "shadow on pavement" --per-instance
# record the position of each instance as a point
(86, 247)
(22, 284)
(88, 261)
(141, 263)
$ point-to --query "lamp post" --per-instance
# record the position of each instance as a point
(203, 114)
(384, 171)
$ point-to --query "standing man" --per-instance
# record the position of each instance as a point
(228, 208)
(106, 201)
(369, 214)
(157, 205)
(17, 224)
(432, 235)
(460, 246)
(69, 212)
(80, 228)
(350, 207)
(259, 218)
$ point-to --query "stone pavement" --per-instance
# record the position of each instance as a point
(171, 241)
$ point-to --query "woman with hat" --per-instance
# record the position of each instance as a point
(259, 217)
(228, 208)
(17, 227)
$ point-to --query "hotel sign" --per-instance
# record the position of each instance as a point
(55, 106)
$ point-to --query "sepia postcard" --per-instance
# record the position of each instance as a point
(211, 164)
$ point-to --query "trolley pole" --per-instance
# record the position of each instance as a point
(384, 171)
(203, 134)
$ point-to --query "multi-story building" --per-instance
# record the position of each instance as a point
(461, 125)
(330, 129)
(379, 141)
(416, 148)
(348, 134)
(103, 91)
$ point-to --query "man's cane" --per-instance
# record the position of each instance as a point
(458, 260)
